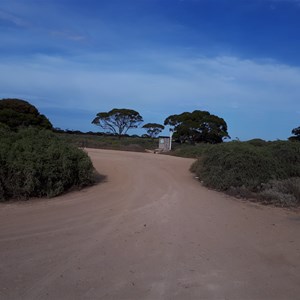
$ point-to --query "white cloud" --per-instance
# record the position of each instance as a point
(158, 85)
(203, 79)
(216, 80)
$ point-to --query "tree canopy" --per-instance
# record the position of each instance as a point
(296, 133)
(153, 129)
(16, 113)
(198, 126)
(118, 121)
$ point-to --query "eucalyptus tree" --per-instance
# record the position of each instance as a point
(153, 129)
(198, 126)
(118, 121)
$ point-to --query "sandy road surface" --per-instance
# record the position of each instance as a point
(149, 232)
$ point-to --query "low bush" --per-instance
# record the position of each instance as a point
(266, 170)
(190, 151)
(124, 143)
(35, 163)
(281, 192)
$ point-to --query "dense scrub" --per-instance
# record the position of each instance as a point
(125, 143)
(190, 151)
(35, 163)
(268, 171)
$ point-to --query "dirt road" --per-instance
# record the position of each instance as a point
(149, 232)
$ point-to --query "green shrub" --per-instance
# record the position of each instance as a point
(281, 192)
(245, 168)
(235, 164)
(35, 163)
(110, 142)
(257, 142)
(190, 151)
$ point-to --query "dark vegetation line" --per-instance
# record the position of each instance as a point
(38, 162)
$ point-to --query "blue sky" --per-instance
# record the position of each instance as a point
(238, 59)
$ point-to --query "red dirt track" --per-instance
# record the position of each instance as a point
(150, 231)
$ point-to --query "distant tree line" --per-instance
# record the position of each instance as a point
(188, 127)
(198, 126)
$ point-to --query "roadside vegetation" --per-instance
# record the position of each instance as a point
(107, 141)
(268, 172)
(34, 161)
(188, 150)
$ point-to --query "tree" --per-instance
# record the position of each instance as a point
(198, 126)
(16, 113)
(296, 133)
(118, 121)
(153, 129)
